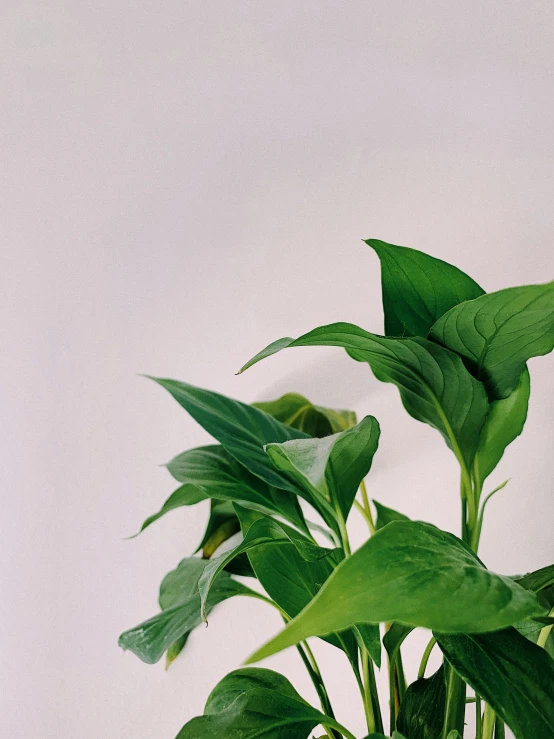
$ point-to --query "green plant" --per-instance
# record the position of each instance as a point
(458, 357)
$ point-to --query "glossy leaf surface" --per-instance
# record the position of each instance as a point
(498, 332)
(418, 289)
(297, 411)
(504, 423)
(180, 601)
(331, 468)
(418, 575)
(240, 428)
(434, 384)
(421, 713)
(386, 515)
(510, 673)
(251, 704)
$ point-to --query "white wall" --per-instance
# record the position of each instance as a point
(183, 182)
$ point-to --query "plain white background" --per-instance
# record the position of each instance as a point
(183, 182)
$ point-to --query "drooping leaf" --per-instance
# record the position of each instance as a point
(180, 603)
(386, 515)
(331, 468)
(498, 332)
(297, 411)
(418, 289)
(243, 431)
(263, 531)
(510, 673)
(434, 385)
(393, 640)
(251, 704)
(421, 712)
(370, 634)
(211, 472)
(503, 424)
(418, 575)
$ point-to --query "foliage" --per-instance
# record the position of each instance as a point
(283, 478)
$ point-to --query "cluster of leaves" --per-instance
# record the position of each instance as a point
(285, 475)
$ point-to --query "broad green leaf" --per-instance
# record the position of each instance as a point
(503, 424)
(510, 673)
(180, 601)
(297, 411)
(255, 703)
(498, 332)
(211, 472)
(434, 385)
(243, 431)
(386, 515)
(421, 713)
(264, 531)
(418, 289)
(331, 468)
(292, 581)
(418, 575)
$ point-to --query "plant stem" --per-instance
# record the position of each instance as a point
(340, 728)
(499, 729)
(367, 507)
(454, 714)
(425, 658)
(478, 721)
(315, 676)
(368, 699)
(488, 722)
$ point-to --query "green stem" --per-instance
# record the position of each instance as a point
(488, 722)
(368, 698)
(367, 507)
(454, 716)
(499, 729)
(425, 658)
(339, 727)
(315, 677)
(478, 720)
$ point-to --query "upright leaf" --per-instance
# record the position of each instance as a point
(418, 575)
(434, 385)
(331, 468)
(251, 704)
(510, 673)
(503, 424)
(418, 289)
(180, 603)
(386, 515)
(421, 713)
(297, 411)
(498, 332)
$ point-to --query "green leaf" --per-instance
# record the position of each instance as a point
(504, 423)
(434, 385)
(263, 531)
(243, 431)
(386, 515)
(510, 673)
(331, 468)
(175, 650)
(498, 332)
(393, 640)
(180, 601)
(418, 289)
(537, 580)
(211, 472)
(418, 575)
(297, 411)
(371, 636)
(421, 713)
(251, 704)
